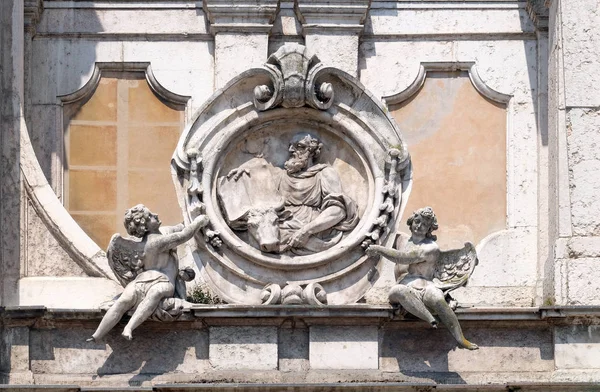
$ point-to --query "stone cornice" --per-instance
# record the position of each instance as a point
(32, 10)
(344, 16)
(240, 16)
(539, 14)
(554, 314)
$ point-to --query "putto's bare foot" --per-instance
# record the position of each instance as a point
(92, 339)
(434, 324)
(468, 345)
(127, 335)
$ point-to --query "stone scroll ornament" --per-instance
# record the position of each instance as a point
(148, 268)
(299, 169)
(424, 285)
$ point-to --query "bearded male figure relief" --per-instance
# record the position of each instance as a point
(301, 208)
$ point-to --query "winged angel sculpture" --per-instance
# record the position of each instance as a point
(148, 269)
(431, 275)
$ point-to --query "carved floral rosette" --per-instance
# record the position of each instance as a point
(256, 114)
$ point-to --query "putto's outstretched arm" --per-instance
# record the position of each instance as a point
(171, 241)
(417, 292)
(156, 281)
(416, 255)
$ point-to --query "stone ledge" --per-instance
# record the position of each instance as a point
(314, 312)
(322, 387)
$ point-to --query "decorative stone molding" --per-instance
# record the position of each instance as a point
(242, 135)
(241, 30)
(240, 16)
(332, 29)
(342, 16)
(88, 89)
(32, 12)
(539, 13)
(294, 74)
(84, 251)
(467, 66)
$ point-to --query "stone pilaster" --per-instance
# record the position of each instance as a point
(32, 12)
(573, 123)
(241, 30)
(11, 98)
(332, 30)
(538, 12)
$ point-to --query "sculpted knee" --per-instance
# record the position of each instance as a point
(398, 293)
(125, 302)
(433, 295)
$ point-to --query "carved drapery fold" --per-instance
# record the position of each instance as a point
(245, 127)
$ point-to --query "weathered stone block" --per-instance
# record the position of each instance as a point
(42, 247)
(67, 292)
(425, 350)
(583, 281)
(152, 351)
(236, 348)
(581, 38)
(344, 347)
(584, 164)
(293, 349)
(577, 347)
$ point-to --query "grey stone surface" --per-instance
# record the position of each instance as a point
(52, 349)
(506, 259)
(576, 347)
(241, 35)
(344, 347)
(43, 255)
(582, 281)
(409, 349)
(154, 351)
(45, 130)
(494, 296)
(11, 126)
(15, 355)
(332, 29)
(234, 348)
(293, 349)
(580, 29)
(584, 164)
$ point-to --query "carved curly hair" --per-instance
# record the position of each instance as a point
(314, 144)
(135, 220)
(429, 216)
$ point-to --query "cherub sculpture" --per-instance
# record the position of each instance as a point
(148, 269)
(432, 273)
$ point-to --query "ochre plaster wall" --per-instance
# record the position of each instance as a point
(118, 149)
(457, 140)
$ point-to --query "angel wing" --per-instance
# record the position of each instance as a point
(454, 267)
(125, 258)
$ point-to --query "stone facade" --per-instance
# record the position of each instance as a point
(521, 180)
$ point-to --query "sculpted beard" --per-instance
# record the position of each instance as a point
(297, 162)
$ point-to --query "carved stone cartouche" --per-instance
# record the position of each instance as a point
(287, 221)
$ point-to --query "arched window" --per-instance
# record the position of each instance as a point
(117, 152)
